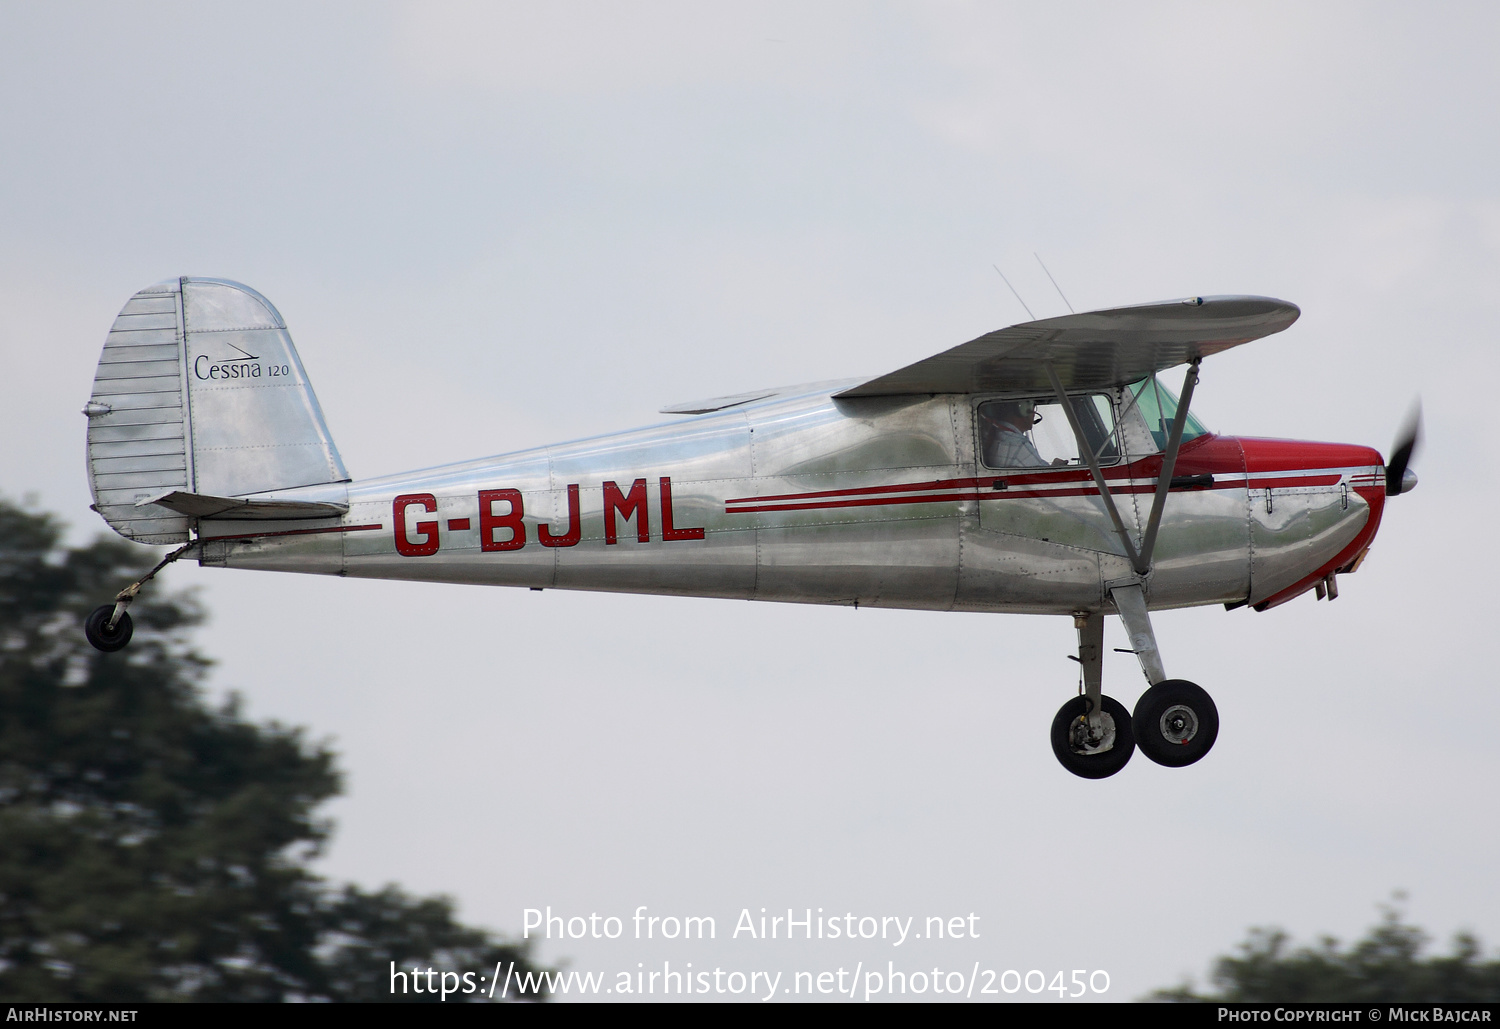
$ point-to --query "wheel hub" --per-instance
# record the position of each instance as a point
(1179, 724)
(1082, 739)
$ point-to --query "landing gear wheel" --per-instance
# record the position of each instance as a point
(1087, 755)
(100, 636)
(1175, 722)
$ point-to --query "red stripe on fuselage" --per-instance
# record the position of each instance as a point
(1219, 456)
(910, 495)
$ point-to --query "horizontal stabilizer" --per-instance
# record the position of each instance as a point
(200, 505)
(1096, 349)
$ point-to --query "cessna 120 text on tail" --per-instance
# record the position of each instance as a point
(1040, 469)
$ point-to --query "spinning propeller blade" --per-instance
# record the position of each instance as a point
(1398, 478)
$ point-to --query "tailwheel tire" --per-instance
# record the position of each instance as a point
(100, 636)
(1081, 751)
(1175, 722)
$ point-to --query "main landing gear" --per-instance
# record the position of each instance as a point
(1175, 722)
(108, 626)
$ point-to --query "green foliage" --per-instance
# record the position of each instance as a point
(153, 848)
(1386, 965)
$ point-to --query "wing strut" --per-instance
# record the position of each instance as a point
(1088, 454)
(1140, 561)
(1168, 466)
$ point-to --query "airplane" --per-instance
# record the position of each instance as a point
(1042, 468)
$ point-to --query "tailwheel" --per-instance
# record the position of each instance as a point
(103, 636)
(1175, 722)
(1092, 748)
(108, 626)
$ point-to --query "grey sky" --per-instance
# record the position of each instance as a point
(498, 226)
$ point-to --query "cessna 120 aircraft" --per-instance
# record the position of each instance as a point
(1041, 468)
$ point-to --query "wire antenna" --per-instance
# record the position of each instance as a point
(1054, 281)
(1013, 290)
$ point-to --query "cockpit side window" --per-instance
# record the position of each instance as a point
(1033, 432)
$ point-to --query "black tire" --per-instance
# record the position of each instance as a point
(1175, 723)
(100, 637)
(1078, 761)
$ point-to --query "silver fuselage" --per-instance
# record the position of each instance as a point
(878, 501)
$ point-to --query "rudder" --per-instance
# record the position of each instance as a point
(199, 389)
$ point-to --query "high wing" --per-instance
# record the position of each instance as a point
(1094, 349)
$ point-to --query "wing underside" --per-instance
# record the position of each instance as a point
(1091, 350)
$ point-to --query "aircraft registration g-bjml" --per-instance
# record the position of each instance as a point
(1040, 469)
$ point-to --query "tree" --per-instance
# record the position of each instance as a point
(153, 848)
(1386, 965)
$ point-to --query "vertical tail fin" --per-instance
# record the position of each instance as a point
(200, 390)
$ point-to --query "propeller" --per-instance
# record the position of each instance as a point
(1398, 477)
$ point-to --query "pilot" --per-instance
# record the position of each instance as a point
(1003, 428)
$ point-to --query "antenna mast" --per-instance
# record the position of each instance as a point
(1013, 290)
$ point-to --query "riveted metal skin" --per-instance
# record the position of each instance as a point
(808, 499)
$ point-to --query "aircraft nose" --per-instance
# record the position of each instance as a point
(1315, 510)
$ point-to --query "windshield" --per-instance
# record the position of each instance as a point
(1158, 406)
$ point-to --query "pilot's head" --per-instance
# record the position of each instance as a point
(1018, 414)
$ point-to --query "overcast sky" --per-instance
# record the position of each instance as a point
(523, 223)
